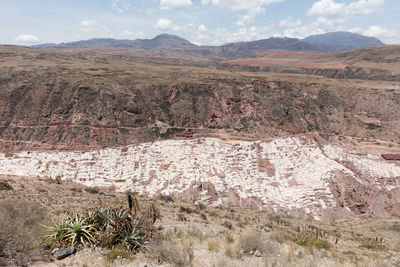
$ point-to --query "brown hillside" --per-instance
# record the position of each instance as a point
(92, 100)
(373, 63)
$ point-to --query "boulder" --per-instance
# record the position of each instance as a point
(257, 253)
(5, 186)
(63, 253)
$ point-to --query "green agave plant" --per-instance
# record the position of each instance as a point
(56, 232)
(106, 217)
(70, 230)
(135, 237)
(78, 230)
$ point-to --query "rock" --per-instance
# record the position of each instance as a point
(105, 252)
(257, 253)
(63, 253)
(5, 186)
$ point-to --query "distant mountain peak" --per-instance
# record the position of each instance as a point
(339, 41)
(166, 40)
(162, 41)
(167, 35)
(332, 42)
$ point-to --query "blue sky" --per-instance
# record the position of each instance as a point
(213, 22)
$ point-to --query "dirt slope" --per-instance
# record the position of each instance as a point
(215, 236)
(372, 63)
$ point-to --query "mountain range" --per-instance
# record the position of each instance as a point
(329, 42)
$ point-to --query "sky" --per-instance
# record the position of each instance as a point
(203, 22)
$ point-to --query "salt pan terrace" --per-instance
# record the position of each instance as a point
(288, 173)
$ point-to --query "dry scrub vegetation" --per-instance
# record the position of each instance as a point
(20, 232)
(183, 235)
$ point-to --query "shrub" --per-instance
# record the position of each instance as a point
(232, 250)
(311, 241)
(166, 198)
(92, 190)
(200, 206)
(182, 218)
(186, 210)
(214, 244)
(395, 227)
(20, 232)
(194, 232)
(251, 242)
(118, 253)
(229, 238)
(172, 253)
(372, 244)
(282, 236)
(203, 216)
(228, 225)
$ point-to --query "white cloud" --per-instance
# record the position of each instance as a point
(366, 7)
(174, 4)
(88, 23)
(296, 29)
(332, 14)
(166, 24)
(131, 34)
(202, 28)
(301, 31)
(120, 6)
(27, 38)
(237, 5)
(288, 22)
(329, 8)
(248, 34)
(330, 24)
(163, 24)
(127, 33)
(223, 35)
(376, 31)
(386, 35)
(92, 25)
(252, 8)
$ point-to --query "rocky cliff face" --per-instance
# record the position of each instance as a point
(296, 174)
(48, 110)
(349, 72)
(74, 101)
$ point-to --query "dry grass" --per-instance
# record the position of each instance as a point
(169, 251)
(195, 232)
(118, 254)
(229, 238)
(20, 232)
(278, 237)
(214, 244)
(232, 250)
(195, 243)
(251, 242)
